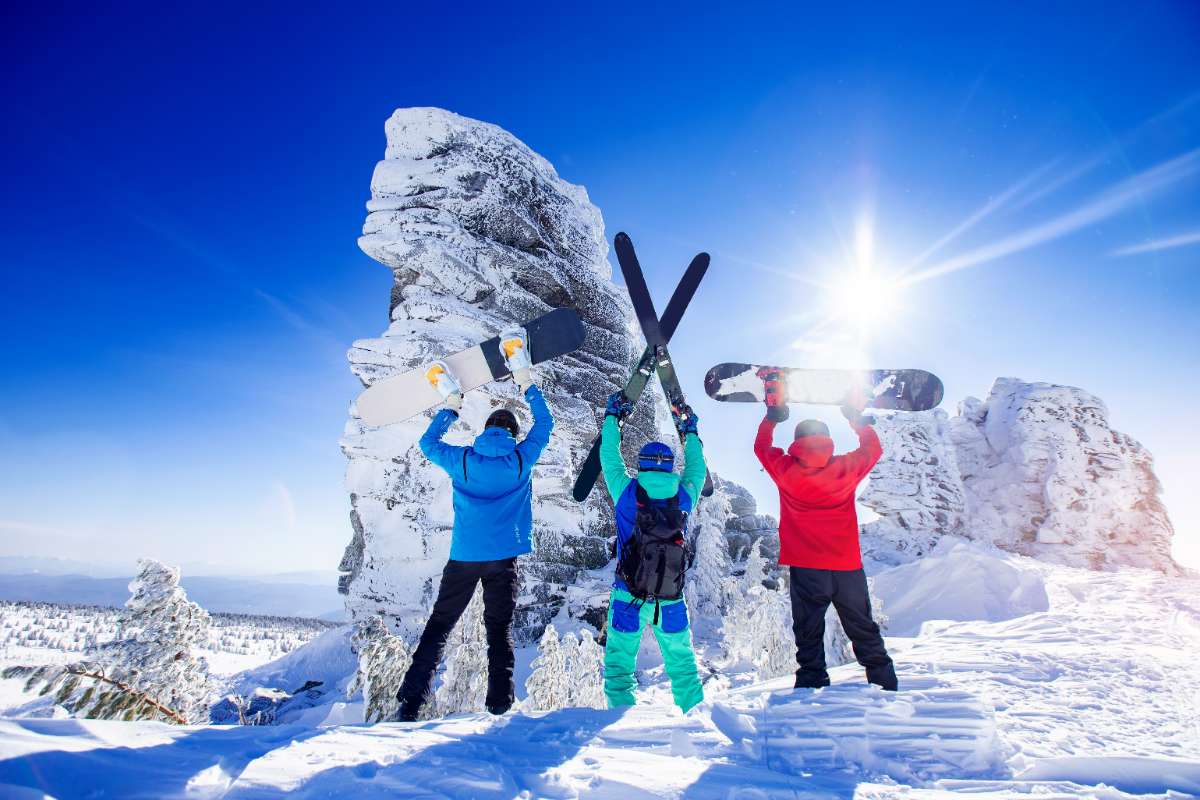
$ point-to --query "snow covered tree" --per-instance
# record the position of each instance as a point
(464, 682)
(585, 672)
(548, 686)
(150, 670)
(706, 579)
(758, 624)
(383, 660)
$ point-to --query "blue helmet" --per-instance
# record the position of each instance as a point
(656, 456)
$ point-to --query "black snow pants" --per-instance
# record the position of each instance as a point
(812, 592)
(459, 580)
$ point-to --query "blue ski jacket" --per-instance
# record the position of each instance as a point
(492, 480)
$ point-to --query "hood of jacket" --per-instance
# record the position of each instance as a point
(495, 442)
(658, 485)
(813, 452)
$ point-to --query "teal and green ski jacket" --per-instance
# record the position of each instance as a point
(657, 485)
(493, 515)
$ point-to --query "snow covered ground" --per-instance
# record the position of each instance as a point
(1065, 683)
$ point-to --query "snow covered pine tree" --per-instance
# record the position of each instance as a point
(547, 687)
(758, 625)
(465, 680)
(150, 670)
(383, 658)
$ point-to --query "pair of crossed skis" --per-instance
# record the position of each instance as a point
(656, 357)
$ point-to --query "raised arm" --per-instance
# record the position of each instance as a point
(869, 449)
(446, 456)
(768, 455)
(612, 464)
(543, 422)
(694, 470)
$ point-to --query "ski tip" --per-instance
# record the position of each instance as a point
(621, 236)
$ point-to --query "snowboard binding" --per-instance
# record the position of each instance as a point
(441, 378)
(514, 349)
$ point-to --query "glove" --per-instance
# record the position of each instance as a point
(618, 406)
(852, 408)
(685, 419)
(522, 378)
(438, 374)
(778, 414)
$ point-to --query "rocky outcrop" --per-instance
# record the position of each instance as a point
(745, 525)
(915, 488)
(1036, 469)
(479, 232)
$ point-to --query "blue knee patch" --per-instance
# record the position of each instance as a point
(674, 617)
(625, 617)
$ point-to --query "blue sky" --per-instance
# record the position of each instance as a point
(183, 192)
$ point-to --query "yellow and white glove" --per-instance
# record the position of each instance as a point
(514, 347)
(439, 375)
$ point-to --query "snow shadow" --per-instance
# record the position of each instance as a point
(508, 758)
(168, 769)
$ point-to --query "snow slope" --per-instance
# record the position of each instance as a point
(1091, 697)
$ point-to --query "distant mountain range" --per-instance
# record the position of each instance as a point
(291, 594)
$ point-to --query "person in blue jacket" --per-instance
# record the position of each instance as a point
(493, 520)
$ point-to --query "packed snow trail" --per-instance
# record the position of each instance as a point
(1093, 697)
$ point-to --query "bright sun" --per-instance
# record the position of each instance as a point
(862, 295)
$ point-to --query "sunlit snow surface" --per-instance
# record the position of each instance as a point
(1094, 697)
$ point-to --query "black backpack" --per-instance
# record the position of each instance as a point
(654, 559)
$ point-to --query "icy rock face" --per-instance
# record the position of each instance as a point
(1035, 469)
(480, 232)
(745, 525)
(915, 488)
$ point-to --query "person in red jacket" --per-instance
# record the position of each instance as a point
(818, 536)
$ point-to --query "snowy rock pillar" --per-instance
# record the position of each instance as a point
(479, 232)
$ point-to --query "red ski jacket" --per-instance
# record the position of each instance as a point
(818, 526)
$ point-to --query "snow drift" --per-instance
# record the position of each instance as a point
(961, 583)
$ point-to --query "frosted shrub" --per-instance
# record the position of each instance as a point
(150, 670)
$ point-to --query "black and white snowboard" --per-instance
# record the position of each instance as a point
(895, 389)
(395, 399)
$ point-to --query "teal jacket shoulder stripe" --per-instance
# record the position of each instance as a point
(493, 514)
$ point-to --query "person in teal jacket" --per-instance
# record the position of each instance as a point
(627, 615)
(493, 522)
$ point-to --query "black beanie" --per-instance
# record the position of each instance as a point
(503, 418)
(811, 427)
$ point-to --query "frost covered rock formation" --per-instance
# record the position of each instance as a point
(480, 232)
(1035, 469)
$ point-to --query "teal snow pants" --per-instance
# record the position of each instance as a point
(625, 622)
